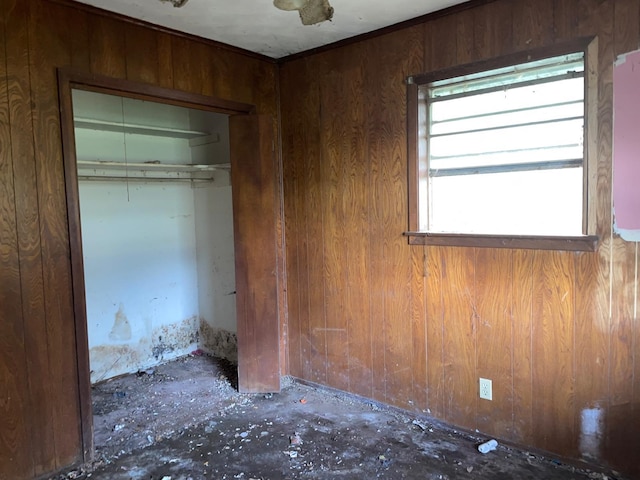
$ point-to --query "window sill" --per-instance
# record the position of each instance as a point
(583, 243)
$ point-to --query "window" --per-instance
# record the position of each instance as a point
(500, 150)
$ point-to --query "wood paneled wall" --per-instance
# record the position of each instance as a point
(414, 326)
(39, 404)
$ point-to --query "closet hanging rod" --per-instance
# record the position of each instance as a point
(106, 164)
(97, 178)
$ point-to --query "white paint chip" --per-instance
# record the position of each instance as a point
(591, 426)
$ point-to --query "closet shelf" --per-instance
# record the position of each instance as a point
(124, 127)
(109, 170)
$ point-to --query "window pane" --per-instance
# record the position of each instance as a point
(516, 138)
(510, 75)
(500, 140)
(493, 119)
(544, 202)
(509, 99)
(512, 157)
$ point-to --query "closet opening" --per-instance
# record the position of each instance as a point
(157, 232)
(174, 219)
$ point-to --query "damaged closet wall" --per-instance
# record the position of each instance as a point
(157, 230)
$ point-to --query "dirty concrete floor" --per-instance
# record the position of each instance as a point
(185, 420)
(138, 410)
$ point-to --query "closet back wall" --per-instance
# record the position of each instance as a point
(139, 251)
(39, 403)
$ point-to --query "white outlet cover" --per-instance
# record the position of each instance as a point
(486, 389)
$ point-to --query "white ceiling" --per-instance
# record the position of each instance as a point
(258, 26)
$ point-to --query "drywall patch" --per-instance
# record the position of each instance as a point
(218, 342)
(626, 146)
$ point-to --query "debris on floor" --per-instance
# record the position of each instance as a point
(187, 421)
(489, 446)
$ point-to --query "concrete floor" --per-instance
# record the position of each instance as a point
(185, 420)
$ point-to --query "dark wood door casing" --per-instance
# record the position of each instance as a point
(255, 206)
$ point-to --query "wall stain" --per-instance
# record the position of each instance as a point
(169, 338)
(111, 360)
(165, 343)
(121, 330)
(218, 342)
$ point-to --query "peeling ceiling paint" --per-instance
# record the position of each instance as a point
(311, 11)
(258, 26)
(176, 3)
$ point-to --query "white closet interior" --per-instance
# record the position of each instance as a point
(157, 232)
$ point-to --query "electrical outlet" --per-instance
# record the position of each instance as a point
(486, 389)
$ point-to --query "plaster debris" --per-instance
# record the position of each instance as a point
(423, 426)
(487, 447)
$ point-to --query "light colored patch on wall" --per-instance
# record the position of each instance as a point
(591, 427)
(218, 342)
(627, 234)
(121, 330)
